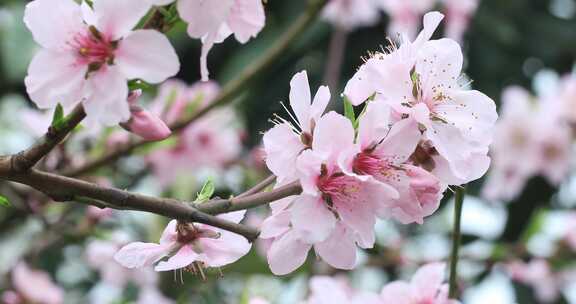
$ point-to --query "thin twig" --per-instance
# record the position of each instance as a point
(259, 187)
(459, 194)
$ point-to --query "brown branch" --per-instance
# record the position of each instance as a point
(28, 158)
(259, 187)
(250, 201)
(230, 91)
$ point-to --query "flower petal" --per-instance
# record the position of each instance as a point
(312, 219)
(226, 249)
(300, 99)
(282, 147)
(204, 16)
(428, 279)
(138, 254)
(107, 101)
(148, 55)
(339, 250)
(53, 23)
(246, 19)
(287, 254)
(397, 292)
(184, 257)
(116, 19)
(332, 134)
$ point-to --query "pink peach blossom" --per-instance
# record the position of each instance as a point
(186, 244)
(343, 207)
(214, 21)
(458, 15)
(284, 142)
(328, 290)
(35, 285)
(212, 141)
(425, 287)
(405, 15)
(538, 275)
(382, 153)
(420, 81)
(351, 14)
(144, 123)
(89, 55)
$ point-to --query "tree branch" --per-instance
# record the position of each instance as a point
(259, 187)
(228, 93)
(459, 194)
(28, 158)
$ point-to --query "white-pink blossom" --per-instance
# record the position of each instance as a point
(36, 286)
(213, 21)
(351, 14)
(538, 275)
(285, 141)
(420, 81)
(88, 55)
(336, 290)
(458, 15)
(405, 15)
(426, 286)
(187, 246)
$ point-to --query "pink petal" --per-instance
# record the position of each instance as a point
(428, 279)
(53, 77)
(374, 124)
(235, 216)
(138, 254)
(300, 99)
(339, 250)
(400, 142)
(184, 257)
(169, 234)
(148, 55)
(397, 292)
(312, 219)
(53, 23)
(282, 147)
(275, 225)
(226, 249)
(439, 64)
(246, 19)
(308, 166)
(204, 16)
(107, 102)
(116, 19)
(320, 102)
(431, 22)
(287, 254)
(333, 133)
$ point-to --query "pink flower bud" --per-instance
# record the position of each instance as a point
(147, 125)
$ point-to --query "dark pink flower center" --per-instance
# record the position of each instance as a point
(94, 49)
(338, 187)
(366, 163)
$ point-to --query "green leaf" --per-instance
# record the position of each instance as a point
(206, 192)
(138, 84)
(4, 202)
(349, 110)
(58, 120)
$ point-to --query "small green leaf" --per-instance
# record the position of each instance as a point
(206, 192)
(4, 202)
(58, 119)
(349, 110)
(138, 84)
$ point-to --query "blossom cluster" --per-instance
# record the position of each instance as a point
(541, 129)
(419, 131)
(404, 14)
(90, 52)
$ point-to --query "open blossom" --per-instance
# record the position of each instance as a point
(328, 290)
(284, 142)
(458, 15)
(420, 81)
(350, 14)
(189, 246)
(213, 21)
(425, 287)
(36, 286)
(382, 153)
(89, 55)
(343, 207)
(533, 128)
(212, 141)
(405, 15)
